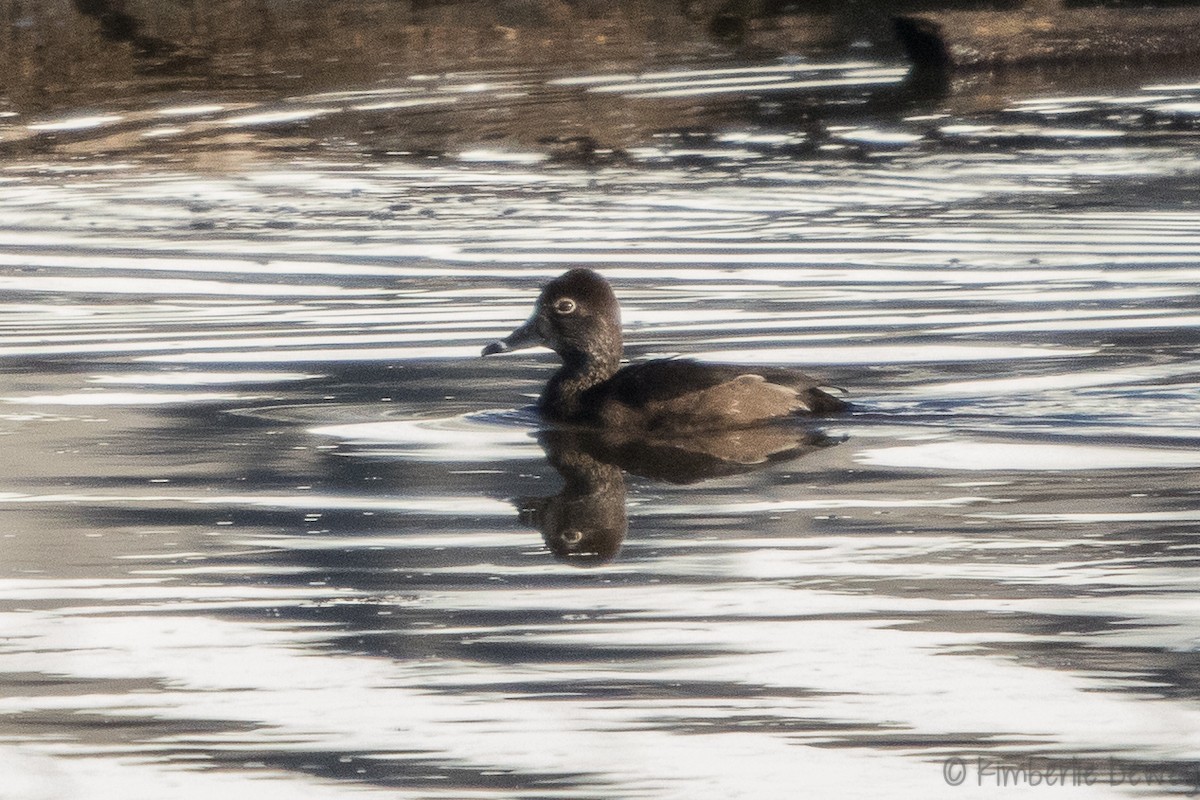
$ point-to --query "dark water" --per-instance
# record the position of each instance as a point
(272, 529)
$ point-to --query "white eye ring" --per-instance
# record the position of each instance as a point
(564, 305)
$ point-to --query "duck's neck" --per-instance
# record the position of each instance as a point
(563, 398)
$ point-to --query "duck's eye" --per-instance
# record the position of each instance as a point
(564, 305)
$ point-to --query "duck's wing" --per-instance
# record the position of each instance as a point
(682, 393)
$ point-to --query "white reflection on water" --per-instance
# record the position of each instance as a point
(703, 74)
(444, 440)
(1038, 457)
(102, 398)
(196, 110)
(877, 354)
(441, 505)
(462, 713)
(777, 78)
(76, 123)
(343, 354)
(196, 378)
(278, 117)
(167, 287)
(36, 776)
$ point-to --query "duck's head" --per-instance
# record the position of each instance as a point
(576, 316)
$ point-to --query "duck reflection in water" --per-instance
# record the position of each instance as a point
(586, 522)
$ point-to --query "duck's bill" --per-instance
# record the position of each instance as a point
(525, 336)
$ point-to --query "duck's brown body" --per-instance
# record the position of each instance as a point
(578, 317)
(683, 395)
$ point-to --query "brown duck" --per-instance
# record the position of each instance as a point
(578, 317)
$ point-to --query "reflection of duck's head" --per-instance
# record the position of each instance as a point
(585, 523)
(578, 317)
(585, 530)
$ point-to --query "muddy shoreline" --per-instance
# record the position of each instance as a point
(64, 53)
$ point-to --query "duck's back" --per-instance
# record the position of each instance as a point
(681, 395)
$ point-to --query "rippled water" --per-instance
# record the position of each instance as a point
(272, 529)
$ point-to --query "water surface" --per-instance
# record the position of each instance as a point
(272, 528)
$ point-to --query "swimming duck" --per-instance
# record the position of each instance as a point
(578, 317)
